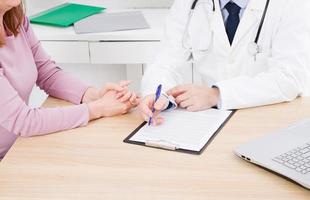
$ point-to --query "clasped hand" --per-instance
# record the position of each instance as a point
(112, 99)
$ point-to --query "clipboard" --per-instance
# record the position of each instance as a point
(170, 146)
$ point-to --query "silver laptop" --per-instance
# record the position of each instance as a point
(286, 152)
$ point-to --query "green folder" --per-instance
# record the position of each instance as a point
(65, 15)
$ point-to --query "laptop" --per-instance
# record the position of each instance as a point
(286, 152)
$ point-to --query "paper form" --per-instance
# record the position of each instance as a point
(184, 129)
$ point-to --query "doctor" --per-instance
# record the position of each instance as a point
(247, 52)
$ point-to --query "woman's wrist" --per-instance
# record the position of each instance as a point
(94, 111)
(91, 94)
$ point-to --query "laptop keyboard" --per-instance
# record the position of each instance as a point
(297, 159)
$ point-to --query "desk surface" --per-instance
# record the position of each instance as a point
(155, 17)
(93, 163)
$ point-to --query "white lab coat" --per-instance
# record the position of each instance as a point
(281, 71)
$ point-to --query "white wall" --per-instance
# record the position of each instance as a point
(34, 6)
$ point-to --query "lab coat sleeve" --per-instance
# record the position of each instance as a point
(172, 55)
(288, 66)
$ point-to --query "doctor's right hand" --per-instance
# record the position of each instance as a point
(146, 106)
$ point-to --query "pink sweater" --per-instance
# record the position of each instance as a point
(23, 63)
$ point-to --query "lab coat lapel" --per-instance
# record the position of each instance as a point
(200, 32)
(219, 28)
(251, 18)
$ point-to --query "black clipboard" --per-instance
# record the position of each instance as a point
(127, 139)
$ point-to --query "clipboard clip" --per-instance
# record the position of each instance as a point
(162, 144)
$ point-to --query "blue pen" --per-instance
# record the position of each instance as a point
(157, 95)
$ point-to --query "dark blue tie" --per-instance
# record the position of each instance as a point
(232, 20)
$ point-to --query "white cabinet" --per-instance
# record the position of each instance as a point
(67, 52)
(123, 52)
(102, 52)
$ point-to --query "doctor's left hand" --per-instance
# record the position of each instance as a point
(195, 97)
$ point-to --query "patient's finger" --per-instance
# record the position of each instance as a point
(126, 97)
(110, 86)
(134, 99)
(124, 83)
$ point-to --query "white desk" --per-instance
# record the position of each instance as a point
(133, 48)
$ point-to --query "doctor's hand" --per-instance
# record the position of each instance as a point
(195, 97)
(109, 105)
(146, 105)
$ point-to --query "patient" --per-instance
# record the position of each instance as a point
(23, 63)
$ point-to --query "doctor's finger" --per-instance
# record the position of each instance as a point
(156, 115)
(148, 101)
(145, 110)
(192, 108)
(182, 97)
(161, 103)
(144, 116)
(186, 104)
(157, 121)
(178, 90)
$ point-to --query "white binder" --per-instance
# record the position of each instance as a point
(107, 22)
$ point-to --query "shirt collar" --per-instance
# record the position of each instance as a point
(241, 3)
